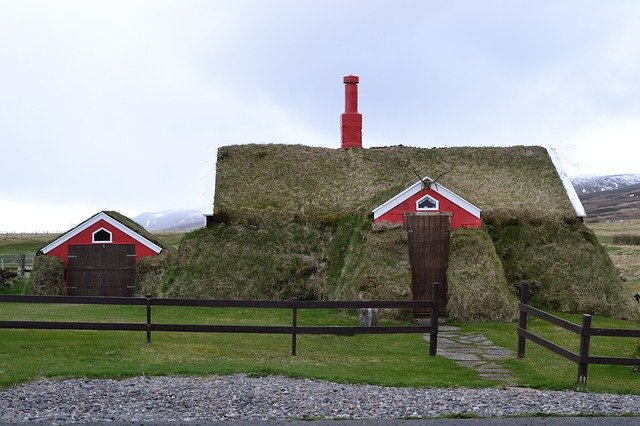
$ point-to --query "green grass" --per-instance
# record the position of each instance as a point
(540, 368)
(394, 360)
(626, 258)
(23, 243)
(391, 360)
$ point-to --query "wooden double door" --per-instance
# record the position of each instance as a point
(101, 270)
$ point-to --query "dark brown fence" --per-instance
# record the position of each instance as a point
(585, 331)
(294, 329)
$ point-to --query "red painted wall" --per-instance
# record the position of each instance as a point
(460, 218)
(84, 237)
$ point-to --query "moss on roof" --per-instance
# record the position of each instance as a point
(506, 183)
(134, 226)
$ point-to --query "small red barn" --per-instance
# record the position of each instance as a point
(100, 255)
(429, 196)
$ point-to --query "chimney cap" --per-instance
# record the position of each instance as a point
(351, 79)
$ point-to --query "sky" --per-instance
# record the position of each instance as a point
(121, 105)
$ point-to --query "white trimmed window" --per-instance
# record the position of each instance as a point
(101, 236)
(427, 203)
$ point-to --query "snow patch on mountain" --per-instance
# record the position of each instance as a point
(590, 184)
(171, 220)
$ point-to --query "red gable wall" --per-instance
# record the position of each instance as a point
(84, 237)
(460, 218)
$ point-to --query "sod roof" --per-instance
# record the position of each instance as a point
(518, 182)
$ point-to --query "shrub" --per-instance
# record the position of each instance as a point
(47, 277)
(6, 276)
(627, 239)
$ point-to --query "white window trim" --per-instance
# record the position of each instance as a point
(427, 209)
(93, 236)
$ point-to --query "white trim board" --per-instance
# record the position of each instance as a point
(417, 187)
(94, 219)
(566, 182)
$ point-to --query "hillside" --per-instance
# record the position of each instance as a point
(616, 204)
(293, 221)
(593, 184)
(171, 220)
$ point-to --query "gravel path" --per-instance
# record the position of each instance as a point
(163, 399)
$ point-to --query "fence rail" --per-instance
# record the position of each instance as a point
(585, 331)
(294, 329)
(20, 262)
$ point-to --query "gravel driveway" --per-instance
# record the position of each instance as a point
(164, 399)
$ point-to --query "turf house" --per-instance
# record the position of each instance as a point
(298, 221)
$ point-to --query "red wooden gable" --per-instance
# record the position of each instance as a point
(101, 229)
(434, 198)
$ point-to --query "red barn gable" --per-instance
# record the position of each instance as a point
(433, 198)
(100, 256)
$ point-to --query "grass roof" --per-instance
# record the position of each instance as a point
(315, 183)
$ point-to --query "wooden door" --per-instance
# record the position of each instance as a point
(428, 254)
(101, 270)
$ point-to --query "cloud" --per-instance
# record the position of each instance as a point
(121, 105)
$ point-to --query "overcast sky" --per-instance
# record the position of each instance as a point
(121, 105)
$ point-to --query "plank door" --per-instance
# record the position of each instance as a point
(428, 254)
(101, 270)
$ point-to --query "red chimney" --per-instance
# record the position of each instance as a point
(351, 120)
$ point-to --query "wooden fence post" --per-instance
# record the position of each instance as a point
(148, 296)
(22, 264)
(524, 299)
(294, 334)
(585, 340)
(433, 336)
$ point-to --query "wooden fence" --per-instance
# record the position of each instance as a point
(294, 329)
(21, 263)
(585, 331)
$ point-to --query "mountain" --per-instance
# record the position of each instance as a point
(591, 184)
(613, 197)
(171, 220)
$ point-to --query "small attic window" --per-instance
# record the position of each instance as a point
(427, 203)
(101, 236)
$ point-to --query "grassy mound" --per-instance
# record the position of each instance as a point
(153, 273)
(273, 261)
(574, 270)
(382, 271)
(478, 290)
(47, 277)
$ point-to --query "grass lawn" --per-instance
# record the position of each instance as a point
(393, 360)
(540, 368)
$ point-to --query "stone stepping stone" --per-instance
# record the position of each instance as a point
(474, 351)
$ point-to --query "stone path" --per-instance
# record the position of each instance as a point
(474, 351)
